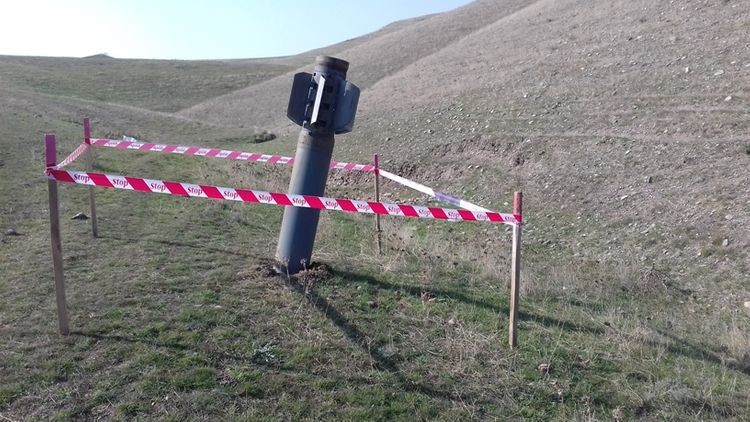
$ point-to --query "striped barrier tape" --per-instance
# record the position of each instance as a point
(217, 153)
(133, 144)
(73, 156)
(274, 198)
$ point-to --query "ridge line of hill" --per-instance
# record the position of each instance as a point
(373, 60)
(300, 61)
(458, 40)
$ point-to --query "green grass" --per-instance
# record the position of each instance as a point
(174, 315)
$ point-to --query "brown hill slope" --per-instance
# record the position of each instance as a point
(265, 103)
(630, 117)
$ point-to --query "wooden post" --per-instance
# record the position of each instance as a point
(515, 272)
(54, 225)
(90, 165)
(378, 231)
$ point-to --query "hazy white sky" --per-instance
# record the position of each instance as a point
(170, 29)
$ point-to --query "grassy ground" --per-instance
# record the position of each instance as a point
(176, 315)
(180, 84)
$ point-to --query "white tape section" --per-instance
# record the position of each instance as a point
(433, 193)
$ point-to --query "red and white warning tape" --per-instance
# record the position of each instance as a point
(73, 156)
(217, 153)
(274, 198)
(131, 144)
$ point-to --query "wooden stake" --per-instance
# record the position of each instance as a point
(90, 165)
(377, 199)
(515, 272)
(54, 225)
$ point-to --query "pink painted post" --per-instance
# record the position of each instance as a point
(86, 131)
(377, 199)
(54, 225)
(90, 165)
(50, 149)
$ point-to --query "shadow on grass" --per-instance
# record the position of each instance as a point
(461, 297)
(679, 347)
(354, 334)
(697, 352)
(362, 340)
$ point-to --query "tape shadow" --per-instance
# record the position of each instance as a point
(680, 346)
(461, 297)
(362, 340)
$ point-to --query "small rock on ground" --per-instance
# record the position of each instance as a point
(80, 216)
(544, 369)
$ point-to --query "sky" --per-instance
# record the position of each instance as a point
(194, 29)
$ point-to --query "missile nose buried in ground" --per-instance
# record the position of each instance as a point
(324, 103)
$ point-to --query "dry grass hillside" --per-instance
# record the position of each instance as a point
(628, 118)
(625, 123)
(179, 84)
